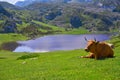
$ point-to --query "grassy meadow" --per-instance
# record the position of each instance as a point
(11, 37)
(58, 65)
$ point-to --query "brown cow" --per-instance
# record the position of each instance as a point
(98, 49)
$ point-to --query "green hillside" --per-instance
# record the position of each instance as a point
(51, 18)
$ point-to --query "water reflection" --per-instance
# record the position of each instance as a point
(58, 42)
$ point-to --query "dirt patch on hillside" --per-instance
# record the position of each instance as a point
(9, 46)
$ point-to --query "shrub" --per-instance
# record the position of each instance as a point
(27, 56)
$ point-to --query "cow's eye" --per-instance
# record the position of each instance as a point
(89, 47)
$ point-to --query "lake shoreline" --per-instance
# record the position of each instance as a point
(58, 42)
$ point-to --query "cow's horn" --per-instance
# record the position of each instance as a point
(85, 39)
(94, 38)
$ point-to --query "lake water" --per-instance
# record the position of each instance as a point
(58, 42)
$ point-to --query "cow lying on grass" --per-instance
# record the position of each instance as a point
(98, 49)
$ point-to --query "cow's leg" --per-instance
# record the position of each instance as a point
(110, 56)
(96, 56)
(91, 55)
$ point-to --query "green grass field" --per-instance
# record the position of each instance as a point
(11, 37)
(59, 65)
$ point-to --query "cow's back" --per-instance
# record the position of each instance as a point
(104, 50)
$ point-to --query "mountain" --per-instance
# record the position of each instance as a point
(27, 2)
(4, 12)
(36, 16)
(74, 15)
(104, 3)
(108, 2)
(7, 24)
(7, 5)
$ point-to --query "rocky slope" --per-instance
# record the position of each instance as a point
(93, 15)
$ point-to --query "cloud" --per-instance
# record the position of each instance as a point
(11, 1)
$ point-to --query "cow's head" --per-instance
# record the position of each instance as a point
(91, 44)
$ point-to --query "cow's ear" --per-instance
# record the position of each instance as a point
(85, 39)
(95, 39)
(97, 42)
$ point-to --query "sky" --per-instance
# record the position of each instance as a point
(12, 1)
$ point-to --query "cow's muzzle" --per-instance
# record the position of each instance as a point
(86, 50)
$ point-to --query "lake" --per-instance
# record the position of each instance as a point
(58, 42)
